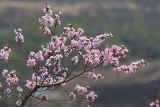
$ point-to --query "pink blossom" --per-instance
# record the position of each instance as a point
(58, 56)
(18, 103)
(47, 31)
(10, 77)
(60, 79)
(80, 89)
(68, 50)
(56, 43)
(57, 18)
(48, 81)
(112, 54)
(99, 39)
(39, 56)
(79, 32)
(34, 77)
(69, 32)
(43, 72)
(133, 67)
(46, 20)
(94, 76)
(8, 92)
(19, 89)
(5, 73)
(76, 44)
(31, 62)
(74, 60)
(72, 96)
(19, 36)
(44, 97)
(91, 96)
(92, 57)
(88, 105)
(4, 53)
(30, 84)
(48, 10)
(155, 104)
(84, 41)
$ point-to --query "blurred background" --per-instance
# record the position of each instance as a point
(134, 23)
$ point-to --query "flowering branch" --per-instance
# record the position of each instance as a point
(49, 70)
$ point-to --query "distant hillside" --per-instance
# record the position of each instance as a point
(133, 22)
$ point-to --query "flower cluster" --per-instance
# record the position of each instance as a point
(133, 67)
(81, 90)
(31, 62)
(48, 20)
(12, 80)
(71, 32)
(8, 92)
(75, 60)
(19, 89)
(10, 77)
(30, 84)
(92, 57)
(4, 53)
(94, 76)
(44, 97)
(112, 54)
(155, 104)
(101, 38)
(56, 44)
(90, 96)
(19, 36)
(33, 57)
